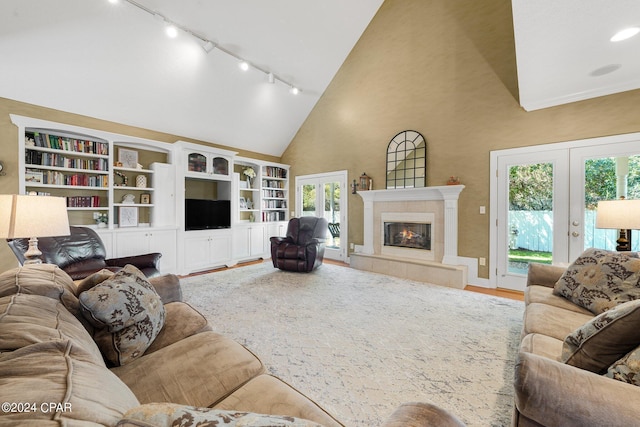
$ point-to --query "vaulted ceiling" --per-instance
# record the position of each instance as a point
(113, 61)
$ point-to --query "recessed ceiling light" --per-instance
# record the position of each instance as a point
(625, 34)
(605, 70)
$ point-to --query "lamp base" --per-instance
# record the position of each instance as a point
(624, 241)
(32, 255)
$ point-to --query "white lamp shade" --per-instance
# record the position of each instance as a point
(618, 214)
(33, 216)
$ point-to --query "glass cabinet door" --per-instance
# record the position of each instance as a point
(197, 162)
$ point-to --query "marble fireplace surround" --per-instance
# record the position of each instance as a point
(442, 201)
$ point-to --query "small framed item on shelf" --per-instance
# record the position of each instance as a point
(243, 203)
(128, 158)
(145, 199)
(128, 216)
(33, 177)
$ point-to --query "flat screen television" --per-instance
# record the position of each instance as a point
(207, 214)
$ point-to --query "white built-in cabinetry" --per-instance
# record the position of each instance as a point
(139, 186)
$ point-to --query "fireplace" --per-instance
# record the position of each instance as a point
(421, 228)
(407, 234)
(412, 235)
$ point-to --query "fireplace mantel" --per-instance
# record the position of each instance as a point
(449, 194)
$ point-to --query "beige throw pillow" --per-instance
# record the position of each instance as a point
(127, 312)
(599, 280)
(604, 339)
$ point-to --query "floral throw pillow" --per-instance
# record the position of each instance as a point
(604, 339)
(627, 369)
(171, 414)
(599, 280)
(127, 312)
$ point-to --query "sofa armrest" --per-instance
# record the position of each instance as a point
(544, 274)
(140, 261)
(416, 414)
(555, 394)
(168, 287)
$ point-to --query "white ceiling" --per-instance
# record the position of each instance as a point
(114, 62)
(560, 44)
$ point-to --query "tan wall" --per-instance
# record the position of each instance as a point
(445, 68)
(9, 146)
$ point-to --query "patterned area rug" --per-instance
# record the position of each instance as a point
(361, 343)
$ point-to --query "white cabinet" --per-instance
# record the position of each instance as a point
(141, 242)
(275, 229)
(248, 241)
(206, 249)
(207, 165)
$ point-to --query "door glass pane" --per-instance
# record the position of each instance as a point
(530, 232)
(332, 213)
(309, 200)
(608, 178)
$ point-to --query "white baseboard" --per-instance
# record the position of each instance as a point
(472, 272)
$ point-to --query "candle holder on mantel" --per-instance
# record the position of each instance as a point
(453, 180)
(365, 182)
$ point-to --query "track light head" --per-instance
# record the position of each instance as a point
(294, 90)
(272, 78)
(208, 46)
(244, 65)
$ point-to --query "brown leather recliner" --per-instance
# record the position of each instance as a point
(82, 253)
(303, 247)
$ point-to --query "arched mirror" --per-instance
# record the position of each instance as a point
(407, 160)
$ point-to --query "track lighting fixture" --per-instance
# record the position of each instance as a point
(208, 45)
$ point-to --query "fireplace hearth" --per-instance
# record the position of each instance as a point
(408, 235)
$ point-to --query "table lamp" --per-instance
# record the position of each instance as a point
(623, 215)
(32, 217)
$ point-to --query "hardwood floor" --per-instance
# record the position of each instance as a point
(504, 293)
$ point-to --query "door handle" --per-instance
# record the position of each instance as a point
(575, 234)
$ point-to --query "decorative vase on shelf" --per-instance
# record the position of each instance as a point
(249, 183)
(141, 181)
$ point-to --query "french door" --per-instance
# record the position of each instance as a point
(544, 202)
(325, 196)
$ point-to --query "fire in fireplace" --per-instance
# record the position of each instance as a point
(411, 235)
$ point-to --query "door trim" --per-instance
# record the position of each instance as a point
(534, 149)
(319, 178)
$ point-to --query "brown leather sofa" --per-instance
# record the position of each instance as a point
(303, 248)
(82, 253)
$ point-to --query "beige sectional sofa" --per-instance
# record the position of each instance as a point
(567, 361)
(57, 366)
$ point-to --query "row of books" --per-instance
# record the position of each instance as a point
(274, 204)
(58, 178)
(272, 184)
(275, 172)
(273, 216)
(83, 202)
(54, 159)
(56, 142)
(273, 193)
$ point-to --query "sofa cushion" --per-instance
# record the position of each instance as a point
(542, 345)
(267, 394)
(627, 369)
(545, 295)
(29, 319)
(94, 279)
(552, 321)
(181, 368)
(604, 339)
(171, 414)
(41, 279)
(127, 312)
(181, 321)
(599, 280)
(61, 373)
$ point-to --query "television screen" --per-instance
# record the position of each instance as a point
(207, 214)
